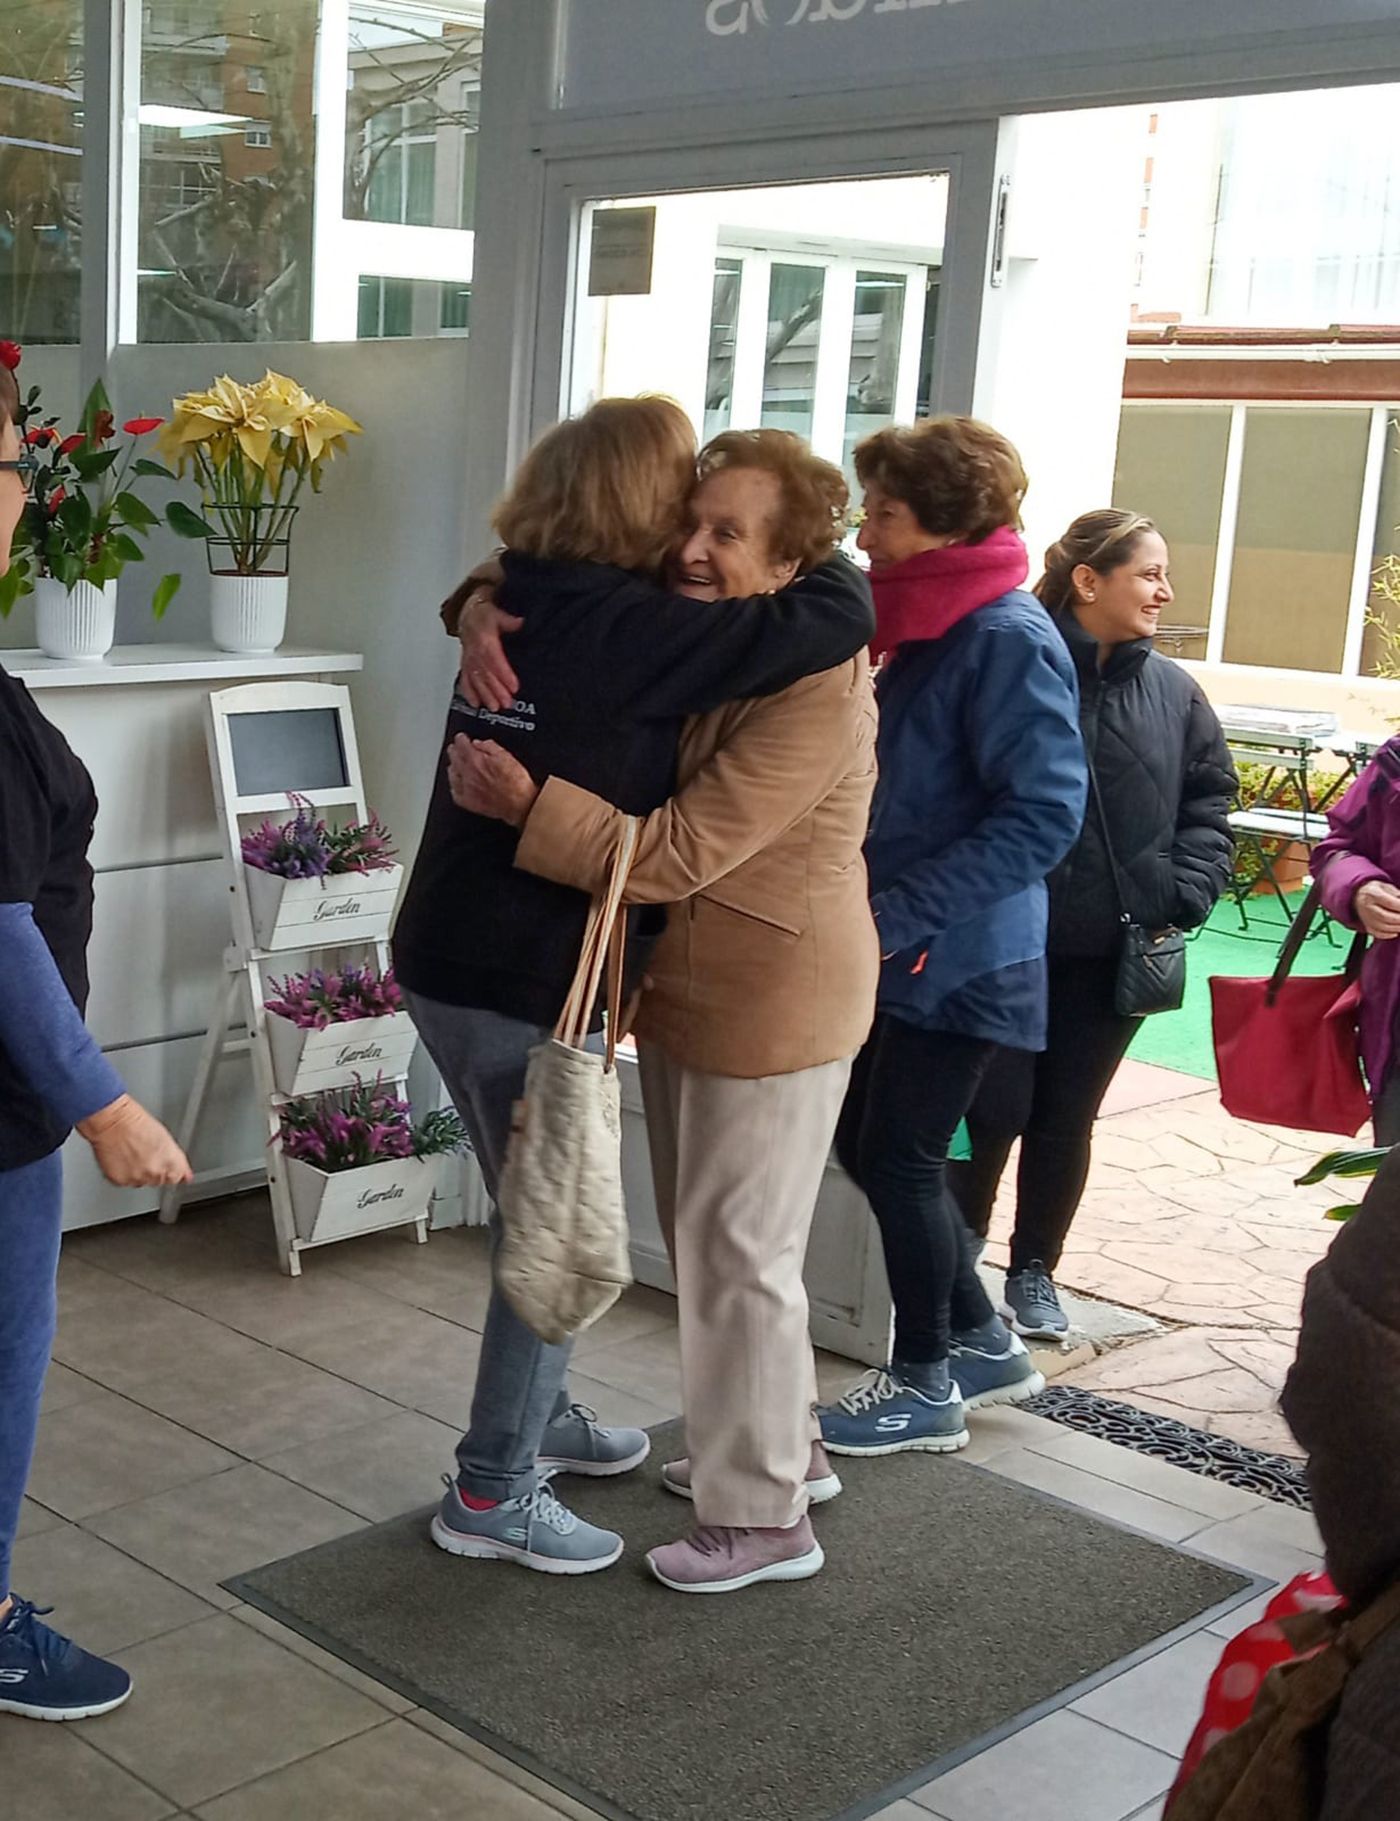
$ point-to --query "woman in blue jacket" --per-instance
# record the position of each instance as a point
(981, 793)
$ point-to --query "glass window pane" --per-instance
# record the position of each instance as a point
(391, 307)
(1171, 466)
(875, 345)
(412, 107)
(227, 170)
(41, 103)
(724, 326)
(794, 328)
(1295, 544)
(1380, 644)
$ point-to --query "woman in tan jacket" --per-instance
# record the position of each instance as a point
(757, 997)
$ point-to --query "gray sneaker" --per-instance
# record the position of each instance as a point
(534, 1530)
(1031, 1307)
(576, 1442)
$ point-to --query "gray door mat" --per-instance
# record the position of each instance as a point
(952, 1602)
(1214, 1457)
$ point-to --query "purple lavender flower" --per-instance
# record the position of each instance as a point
(316, 999)
(307, 848)
(362, 1125)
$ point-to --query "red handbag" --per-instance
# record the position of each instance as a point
(1286, 1050)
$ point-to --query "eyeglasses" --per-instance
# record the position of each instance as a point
(26, 467)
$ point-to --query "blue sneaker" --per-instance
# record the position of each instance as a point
(990, 1369)
(534, 1530)
(576, 1442)
(886, 1415)
(47, 1677)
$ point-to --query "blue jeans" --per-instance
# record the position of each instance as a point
(520, 1382)
(31, 1220)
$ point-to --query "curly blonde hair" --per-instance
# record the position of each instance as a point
(811, 519)
(605, 487)
(958, 476)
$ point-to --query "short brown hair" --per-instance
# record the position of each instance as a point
(811, 519)
(1102, 540)
(958, 476)
(605, 487)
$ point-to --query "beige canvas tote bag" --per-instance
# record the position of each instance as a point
(563, 1259)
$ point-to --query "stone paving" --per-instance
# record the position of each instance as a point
(1193, 1217)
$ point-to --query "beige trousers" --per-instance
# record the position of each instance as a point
(737, 1167)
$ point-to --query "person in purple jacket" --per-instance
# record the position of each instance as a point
(1357, 868)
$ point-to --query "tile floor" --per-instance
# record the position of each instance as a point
(206, 1415)
(1194, 1218)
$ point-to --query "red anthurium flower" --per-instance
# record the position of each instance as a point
(56, 499)
(102, 427)
(70, 443)
(36, 439)
(9, 354)
(142, 426)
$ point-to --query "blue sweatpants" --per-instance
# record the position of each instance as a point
(31, 1218)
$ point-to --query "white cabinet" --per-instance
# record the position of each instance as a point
(161, 895)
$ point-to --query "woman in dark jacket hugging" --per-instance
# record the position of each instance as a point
(1163, 781)
(981, 792)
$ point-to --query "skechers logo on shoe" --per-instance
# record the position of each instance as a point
(9, 1677)
(517, 1536)
(892, 1425)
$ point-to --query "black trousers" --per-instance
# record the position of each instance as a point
(1050, 1102)
(910, 1089)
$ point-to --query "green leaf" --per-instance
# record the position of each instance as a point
(107, 567)
(12, 585)
(166, 590)
(90, 465)
(1344, 1212)
(67, 568)
(151, 470)
(135, 512)
(185, 523)
(1344, 1163)
(125, 547)
(96, 402)
(75, 516)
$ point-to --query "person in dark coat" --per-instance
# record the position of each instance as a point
(1165, 781)
(981, 792)
(1342, 1402)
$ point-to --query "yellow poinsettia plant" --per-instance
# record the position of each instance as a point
(253, 449)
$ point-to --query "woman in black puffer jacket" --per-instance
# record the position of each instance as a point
(1165, 781)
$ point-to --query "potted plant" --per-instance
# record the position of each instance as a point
(253, 450)
(329, 1026)
(356, 1161)
(83, 523)
(310, 884)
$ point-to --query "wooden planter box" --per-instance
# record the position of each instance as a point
(340, 1204)
(318, 913)
(312, 1061)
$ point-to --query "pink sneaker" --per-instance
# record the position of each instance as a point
(822, 1483)
(720, 1558)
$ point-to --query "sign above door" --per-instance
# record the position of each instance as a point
(638, 53)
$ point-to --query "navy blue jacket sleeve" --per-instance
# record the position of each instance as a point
(1021, 720)
(661, 655)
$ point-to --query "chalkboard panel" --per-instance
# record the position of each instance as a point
(287, 749)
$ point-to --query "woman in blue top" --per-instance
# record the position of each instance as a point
(982, 790)
(52, 1077)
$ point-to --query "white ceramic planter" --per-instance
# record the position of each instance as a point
(311, 1062)
(248, 613)
(79, 625)
(335, 1206)
(318, 913)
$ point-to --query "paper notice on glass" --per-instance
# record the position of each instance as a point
(619, 262)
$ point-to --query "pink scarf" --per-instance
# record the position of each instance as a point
(926, 595)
